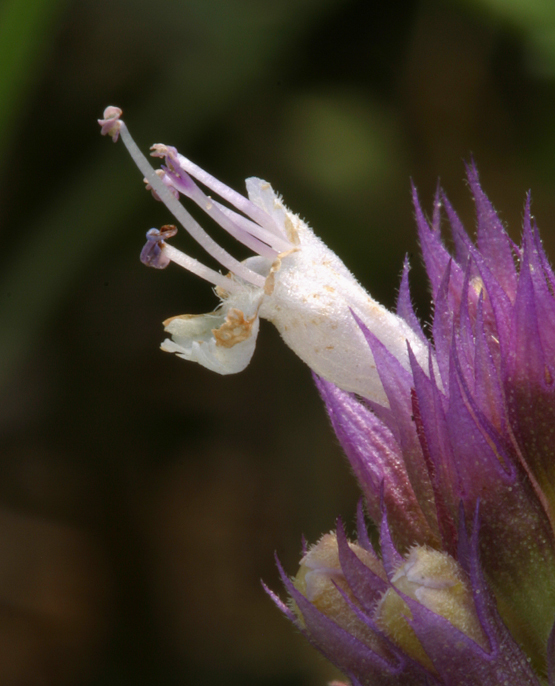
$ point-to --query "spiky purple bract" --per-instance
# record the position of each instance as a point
(471, 432)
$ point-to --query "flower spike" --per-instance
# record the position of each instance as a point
(432, 428)
(473, 424)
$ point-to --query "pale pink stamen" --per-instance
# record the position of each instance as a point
(181, 214)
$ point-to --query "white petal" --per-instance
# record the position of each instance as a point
(262, 194)
(312, 305)
(222, 341)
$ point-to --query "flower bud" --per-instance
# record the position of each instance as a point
(322, 581)
(437, 582)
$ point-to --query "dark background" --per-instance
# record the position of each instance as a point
(142, 497)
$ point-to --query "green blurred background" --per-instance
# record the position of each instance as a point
(142, 497)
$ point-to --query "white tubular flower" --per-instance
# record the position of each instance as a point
(294, 280)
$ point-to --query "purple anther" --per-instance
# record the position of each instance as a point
(153, 254)
(111, 123)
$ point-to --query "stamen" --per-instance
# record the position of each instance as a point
(279, 244)
(153, 255)
(158, 254)
(181, 214)
(239, 201)
(240, 225)
(247, 233)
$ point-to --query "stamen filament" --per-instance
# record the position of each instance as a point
(236, 199)
(184, 218)
(277, 243)
(196, 267)
(185, 185)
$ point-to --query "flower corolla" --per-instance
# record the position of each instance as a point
(293, 280)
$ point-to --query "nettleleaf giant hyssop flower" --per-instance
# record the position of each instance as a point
(452, 438)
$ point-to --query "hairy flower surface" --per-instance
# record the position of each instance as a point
(450, 436)
(294, 280)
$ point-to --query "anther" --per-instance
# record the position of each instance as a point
(153, 254)
(111, 123)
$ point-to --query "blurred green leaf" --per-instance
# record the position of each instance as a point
(342, 142)
(534, 20)
(26, 34)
